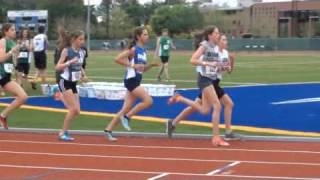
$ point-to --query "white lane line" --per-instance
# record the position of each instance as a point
(159, 147)
(159, 176)
(267, 177)
(228, 166)
(297, 101)
(147, 172)
(158, 159)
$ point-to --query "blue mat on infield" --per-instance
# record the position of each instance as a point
(294, 107)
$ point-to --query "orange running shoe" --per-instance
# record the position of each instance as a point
(58, 96)
(174, 99)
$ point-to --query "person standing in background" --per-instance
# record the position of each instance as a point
(40, 44)
(23, 60)
(163, 47)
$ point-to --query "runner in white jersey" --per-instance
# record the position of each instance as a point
(225, 65)
(206, 78)
(40, 45)
(70, 63)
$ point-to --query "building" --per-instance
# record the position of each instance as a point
(275, 19)
(286, 19)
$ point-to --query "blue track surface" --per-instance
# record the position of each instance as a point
(253, 106)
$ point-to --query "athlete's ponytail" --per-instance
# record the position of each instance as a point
(136, 33)
(198, 38)
(63, 39)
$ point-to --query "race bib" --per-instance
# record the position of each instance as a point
(76, 75)
(211, 70)
(23, 55)
(8, 68)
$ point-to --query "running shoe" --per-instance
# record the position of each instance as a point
(174, 99)
(125, 120)
(231, 136)
(170, 128)
(109, 136)
(65, 137)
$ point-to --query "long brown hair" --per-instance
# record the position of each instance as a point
(21, 33)
(204, 35)
(67, 38)
(136, 33)
(5, 28)
(75, 34)
(63, 39)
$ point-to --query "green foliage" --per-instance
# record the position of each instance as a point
(177, 18)
(135, 11)
(120, 24)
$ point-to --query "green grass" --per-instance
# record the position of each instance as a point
(249, 69)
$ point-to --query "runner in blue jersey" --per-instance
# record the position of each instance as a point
(135, 61)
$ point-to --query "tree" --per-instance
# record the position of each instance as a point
(104, 10)
(177, 18)
(135, 11)
(58, 9)
(174, 2)
(120, 24)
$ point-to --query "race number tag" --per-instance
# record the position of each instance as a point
(23, 55)
(8, 68)
(211, 70)
(76, 75)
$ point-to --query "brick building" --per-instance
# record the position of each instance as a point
(274, 19)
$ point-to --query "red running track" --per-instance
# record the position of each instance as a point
(42, 156)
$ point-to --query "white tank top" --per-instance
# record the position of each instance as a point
(223, 57)
(40, 42)
(224, 61)
(210, 55)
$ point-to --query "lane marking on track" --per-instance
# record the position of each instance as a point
(159, 176)
(159, 147)
(224, 168)
(159, 159)
(147, 172)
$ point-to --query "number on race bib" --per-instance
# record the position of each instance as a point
(8, 68)
(23, 55)
(166, 47)
(211, 70)
(76, 75)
